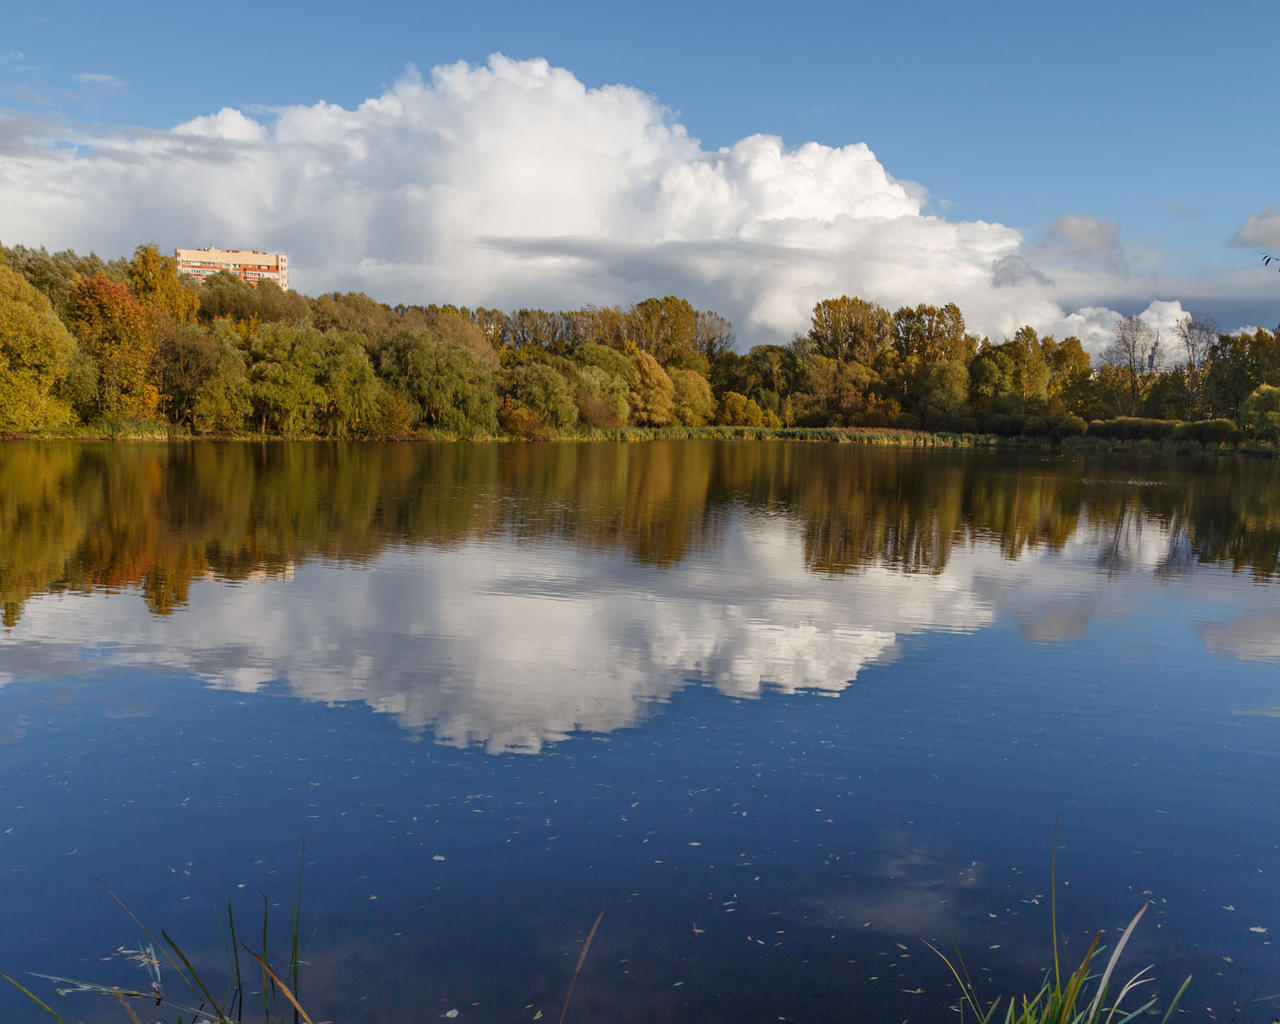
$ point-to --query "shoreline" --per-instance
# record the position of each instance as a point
(886, 437)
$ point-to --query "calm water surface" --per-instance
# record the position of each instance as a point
(781, 712)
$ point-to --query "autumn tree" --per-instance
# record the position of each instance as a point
(115, 331)
(695, 406)
(713, 334)
(653, 396)
(850, 329)
(666, 328)
(602, 397)
(1068, 365)
(930, 334)
(737, 410)
(162, 290)
(835, 393)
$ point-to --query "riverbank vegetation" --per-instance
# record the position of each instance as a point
(134, 348)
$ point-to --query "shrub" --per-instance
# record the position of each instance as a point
(523, 422)
(1005, 426)
(1070, 426)
(1210, 432)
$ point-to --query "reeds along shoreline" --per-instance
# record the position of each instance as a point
(1102, 441)
(1084, 996)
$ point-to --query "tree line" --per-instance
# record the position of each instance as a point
(106, 345)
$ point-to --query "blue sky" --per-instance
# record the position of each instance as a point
(1153, 124)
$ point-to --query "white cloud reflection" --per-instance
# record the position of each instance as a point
(512, 646)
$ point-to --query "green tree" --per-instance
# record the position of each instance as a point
(284, 373)
(1237, 365)
(538, 388)
(352, 395)
(204, 384)
(1012, 377)
(992, 380)
(227, 295)
(447, 386)
(35, 355)
(56, 274)
(944, 390)
(1260, 413)
(272, 304)
(607, 359)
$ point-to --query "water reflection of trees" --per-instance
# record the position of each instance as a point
(79, 516)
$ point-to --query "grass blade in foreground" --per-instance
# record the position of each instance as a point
(1054, 1004)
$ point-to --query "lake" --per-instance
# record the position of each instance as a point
(781, 712)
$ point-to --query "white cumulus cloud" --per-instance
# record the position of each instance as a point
(514, 184)
(1261, 228)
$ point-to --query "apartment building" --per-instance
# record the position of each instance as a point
(249, 264)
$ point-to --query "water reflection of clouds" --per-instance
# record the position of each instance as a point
(1249, 637)
(512, 646)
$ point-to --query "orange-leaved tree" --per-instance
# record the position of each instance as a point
(116, 332)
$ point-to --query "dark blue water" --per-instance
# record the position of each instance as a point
(781, 713)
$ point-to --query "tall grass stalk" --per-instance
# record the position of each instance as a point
(207, 1008)
(582, 958)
